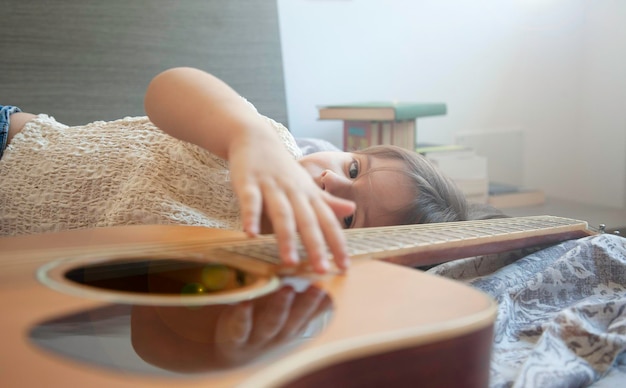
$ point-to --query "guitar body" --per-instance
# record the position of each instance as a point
(381, 324)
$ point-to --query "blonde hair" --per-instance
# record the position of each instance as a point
(437, 198)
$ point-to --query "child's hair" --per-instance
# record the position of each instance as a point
(437, 198)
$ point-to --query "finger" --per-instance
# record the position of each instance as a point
(281, 215)
(250, 203)
(270, 316)
(333, 234)
(234, 327)
(341, 207)
(308, 224)
(305, 307)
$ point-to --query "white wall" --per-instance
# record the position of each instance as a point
(551, 67)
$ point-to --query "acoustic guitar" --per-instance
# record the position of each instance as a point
(184, 306)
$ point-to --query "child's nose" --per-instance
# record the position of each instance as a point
(336, 184)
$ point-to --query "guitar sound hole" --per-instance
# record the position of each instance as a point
(161, 277)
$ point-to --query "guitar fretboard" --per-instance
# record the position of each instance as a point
(410, 239)
(412, 245)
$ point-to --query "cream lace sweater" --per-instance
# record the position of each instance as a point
(55, 177)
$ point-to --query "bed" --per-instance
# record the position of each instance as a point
(561, 318)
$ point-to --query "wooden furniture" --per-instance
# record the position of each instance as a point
(372, 123)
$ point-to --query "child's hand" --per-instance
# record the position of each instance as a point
(267, 179)
(197, 107)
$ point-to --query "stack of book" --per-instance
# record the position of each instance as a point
(373, 123)
(502, 196)
(461, 164)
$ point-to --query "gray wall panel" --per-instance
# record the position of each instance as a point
(86, 60)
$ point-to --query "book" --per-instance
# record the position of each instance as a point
(381, 111)
(475, 190)
(403, 134)
(386, 132)
(461, 166)
(476, 186)
(360, 134)
(504, 196)
(429, 149)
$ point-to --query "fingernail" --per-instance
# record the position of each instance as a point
(292, 257)
(252, 229)
(323, 266)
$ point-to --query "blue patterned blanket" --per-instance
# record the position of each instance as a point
(562, 312)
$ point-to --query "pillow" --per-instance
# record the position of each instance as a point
(309, 145)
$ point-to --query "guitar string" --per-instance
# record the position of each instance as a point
(403, 234)
(359, 241)
(409, 237)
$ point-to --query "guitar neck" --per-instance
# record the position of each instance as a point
(426, 244)
(411, 245)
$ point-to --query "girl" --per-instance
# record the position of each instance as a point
(205, 156)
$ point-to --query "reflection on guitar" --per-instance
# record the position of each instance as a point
(207, 338)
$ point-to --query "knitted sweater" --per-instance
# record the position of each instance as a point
(54, 177)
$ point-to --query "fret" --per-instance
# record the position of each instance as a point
(407, 238)
(424, 243)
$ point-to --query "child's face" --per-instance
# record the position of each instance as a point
(377, 194)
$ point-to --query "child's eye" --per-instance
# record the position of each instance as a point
(353, 169)
(347, 221)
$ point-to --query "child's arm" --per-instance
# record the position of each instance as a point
(199, 108)
(17, 122)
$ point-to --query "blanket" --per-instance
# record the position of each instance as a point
(562, 312)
